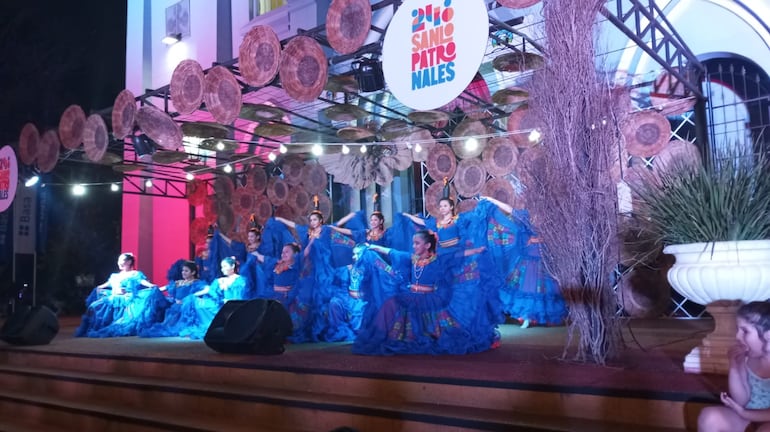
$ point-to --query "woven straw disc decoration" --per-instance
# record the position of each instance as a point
(470, 177)
(159, 127)
(470, 128)
(646, 133)
(277, 191)
(257, 179)
(441, 162)
(222, 94)
(186, 89)
(314, 178)
(263, 209)
(196, 192)
(95, 137)
(71, 126)
(303, 69)
(198, 229)
(466, 205)
(676, 153)
(347, 24)
(500, 156)
(521, 122)
(210, 209)
(29, 144)
(501, 190)
(244, 199)
(123, 113)
(292, 169)
(224, 188)
(259, 56)
(299, 200)
(49, 151)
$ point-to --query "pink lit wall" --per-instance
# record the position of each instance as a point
(157, 230)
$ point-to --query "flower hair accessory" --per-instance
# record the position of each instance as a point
(316, 209)
(376, 203)
(254, 226)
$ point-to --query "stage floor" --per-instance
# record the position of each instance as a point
(650, 366)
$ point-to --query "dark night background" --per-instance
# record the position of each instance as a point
(54, 54)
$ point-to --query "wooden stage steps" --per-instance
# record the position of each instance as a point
(132, 384)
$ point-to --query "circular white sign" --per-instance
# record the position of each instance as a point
(9, 177)
(433, 49)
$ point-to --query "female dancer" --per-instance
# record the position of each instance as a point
(173, 295)
(474, 278)
(334, 314)
(374, 234)
(110, 301)
(200, 308)
(530, 294)
(281, 284)
(419, 320)
(447, 225)
(748, 401)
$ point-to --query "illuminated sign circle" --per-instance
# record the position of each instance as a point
(433, 49)
(9, 177)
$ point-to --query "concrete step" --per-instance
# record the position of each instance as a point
(241, 406)
(390, 395)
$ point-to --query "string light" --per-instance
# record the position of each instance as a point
(114, 187)
(534, 136)
(317, 150)
(283, 149)
(417, 148)
(220, 146)
(228, 169)
(32, 181)
(148, 183)
(271, 156)
(78, 190)
(190, 176)
(471, 144)
(345, 149)
(363, 148)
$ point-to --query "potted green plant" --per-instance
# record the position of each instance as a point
(715, 220)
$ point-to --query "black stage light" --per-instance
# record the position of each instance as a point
(368, 73)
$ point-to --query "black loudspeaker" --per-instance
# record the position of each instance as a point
(249, 327)
(30, 326)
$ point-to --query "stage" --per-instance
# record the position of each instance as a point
(523, 385)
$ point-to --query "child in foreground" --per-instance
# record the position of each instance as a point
(748, 401)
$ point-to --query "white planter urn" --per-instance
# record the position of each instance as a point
(720, 276)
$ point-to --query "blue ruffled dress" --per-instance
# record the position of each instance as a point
(120, 310)
(174, 296)
(529, 292)
(417, 319)
(324, 280)
(281, 285)
(197, 312)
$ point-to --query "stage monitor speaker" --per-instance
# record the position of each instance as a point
(36, 325)
(249, 327)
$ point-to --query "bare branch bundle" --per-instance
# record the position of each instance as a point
(571, 194)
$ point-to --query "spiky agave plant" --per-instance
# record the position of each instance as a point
(726, 201)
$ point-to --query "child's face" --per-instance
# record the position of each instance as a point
(748, 336)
